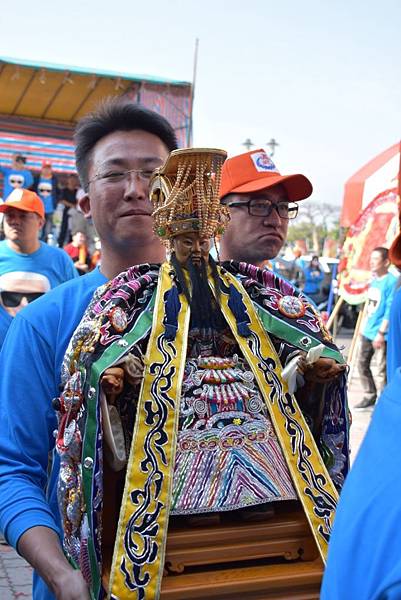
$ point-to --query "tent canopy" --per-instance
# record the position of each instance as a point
(60, 92)
(41, 102)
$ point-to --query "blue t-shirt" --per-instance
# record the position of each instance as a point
(380, 297)
(53, 263)
(5, 322)
(364, 561)
(394, 337)
(313, 280)
(13, 178)
(47, 194)
(30, 364)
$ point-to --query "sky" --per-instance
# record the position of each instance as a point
(321, 77)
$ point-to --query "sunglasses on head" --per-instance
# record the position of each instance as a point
(13, 299)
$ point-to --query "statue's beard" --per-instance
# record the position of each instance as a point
(200, 298)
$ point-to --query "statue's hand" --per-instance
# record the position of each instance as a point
(112, 381)
(321, 371)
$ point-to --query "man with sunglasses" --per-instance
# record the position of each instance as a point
(261, 202)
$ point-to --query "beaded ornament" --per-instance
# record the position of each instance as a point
(184, 193)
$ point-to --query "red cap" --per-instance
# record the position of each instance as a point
(24, 200)
(46, 163)
(255, 171)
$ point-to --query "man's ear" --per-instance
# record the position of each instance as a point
(84, 204)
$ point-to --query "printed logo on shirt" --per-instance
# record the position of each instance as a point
(263, 162)
(374, 295)
(16, 181)
(45, 188)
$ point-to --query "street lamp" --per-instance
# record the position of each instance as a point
(248, 144)
(272, 145)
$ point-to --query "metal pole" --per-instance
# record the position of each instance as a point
(191, 107)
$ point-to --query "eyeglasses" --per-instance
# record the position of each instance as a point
(263, 208)
(13, 299)
(16, 181)
(119, 176)
(44, 191)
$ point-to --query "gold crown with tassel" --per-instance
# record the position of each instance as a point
(185, 194)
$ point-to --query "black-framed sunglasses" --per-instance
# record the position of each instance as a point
(13, 299)
(263, 208)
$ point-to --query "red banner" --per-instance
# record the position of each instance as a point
(376, 226)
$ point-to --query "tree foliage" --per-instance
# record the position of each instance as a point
(315, 222)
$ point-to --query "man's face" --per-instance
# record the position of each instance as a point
(21, 226)
(17, 289)
(191, 246)
(378, 265)
(72, 182)
(18, 163)
(79, 238)
(47, 172)
(254, 239)
(119, 203)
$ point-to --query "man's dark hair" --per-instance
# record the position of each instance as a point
(116, 114)
(383, 251)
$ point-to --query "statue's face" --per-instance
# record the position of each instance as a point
(191, 245)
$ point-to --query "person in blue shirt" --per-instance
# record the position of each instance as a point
(374, 330)
(364, 559)
(5, 322)
(21, 249)
(16, 176)
(117, 148)
(394, 329)
(28, 267)
(314, 276)
(45, 185)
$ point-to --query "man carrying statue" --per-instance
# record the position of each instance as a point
(192, 388)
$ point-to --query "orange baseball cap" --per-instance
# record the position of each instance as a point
(255, 171)
(24, 200)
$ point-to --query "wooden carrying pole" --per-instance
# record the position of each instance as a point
(334, 314)
(354, 346)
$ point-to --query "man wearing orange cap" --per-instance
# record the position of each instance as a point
(21, 250)
(261, 202)
(22, 253)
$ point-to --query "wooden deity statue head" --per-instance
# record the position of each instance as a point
(185, 195)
